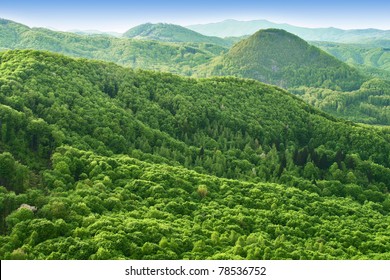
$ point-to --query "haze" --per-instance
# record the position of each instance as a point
(119, 15)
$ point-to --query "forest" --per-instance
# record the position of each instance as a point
(369, 104)
(272, 55)
(98, 161)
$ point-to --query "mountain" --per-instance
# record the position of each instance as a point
(239, 28)
(171, 33)
(10, 32)
(171, 57)
(369, 104)
(95, 32)
(277, 57)
(369, 55)
(288, 62)
(104, 162)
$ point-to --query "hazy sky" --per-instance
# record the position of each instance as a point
(120, 15)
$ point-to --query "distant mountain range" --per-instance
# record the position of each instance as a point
(147, 54)
(237, 28)
(94, 32)
(272, 56)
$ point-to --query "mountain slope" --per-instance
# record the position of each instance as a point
(278, 62)
(10, 33)
(198, 113)
(360, 54)
(137, 164)
(171, 33)
(176, 58)
(278, 57)
(239, 28)
(123, 208)
(370, 104)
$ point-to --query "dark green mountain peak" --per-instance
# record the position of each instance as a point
(278, 57)
(276, 49)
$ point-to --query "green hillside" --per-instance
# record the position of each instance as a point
(172, 33)
(367, 55)
(10, 33)
(370, 104)
(272, 56)
(125, 163)
(153, 55)
(278, 57)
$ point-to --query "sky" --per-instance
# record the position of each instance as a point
(120, 15)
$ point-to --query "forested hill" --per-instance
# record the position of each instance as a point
(177, 58)
(272, 56)
(136, 164)
(277, 57)
(171, 33)
(370, 55)
(370, 104)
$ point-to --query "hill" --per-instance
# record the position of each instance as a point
(278, 62)
(370, 104)
(10, 33)
(281, 58)
(170, 57)
(95, 32)
(359, 54)
(135, 164)
(240, 28)
(171, 33)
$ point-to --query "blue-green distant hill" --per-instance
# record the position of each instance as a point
(146, 54)
(240, 28)
(171, 33)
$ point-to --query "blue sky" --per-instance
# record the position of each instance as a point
(120, 15)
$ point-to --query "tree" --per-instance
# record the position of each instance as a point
(7, 169)
(202, 191)
(310, 171)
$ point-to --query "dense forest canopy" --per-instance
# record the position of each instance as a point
(103, 162)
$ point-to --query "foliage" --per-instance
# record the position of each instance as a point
(272, 56)
(360, 54)
(126, 163)
(280, 58)
(154, 55)
(370, 104)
